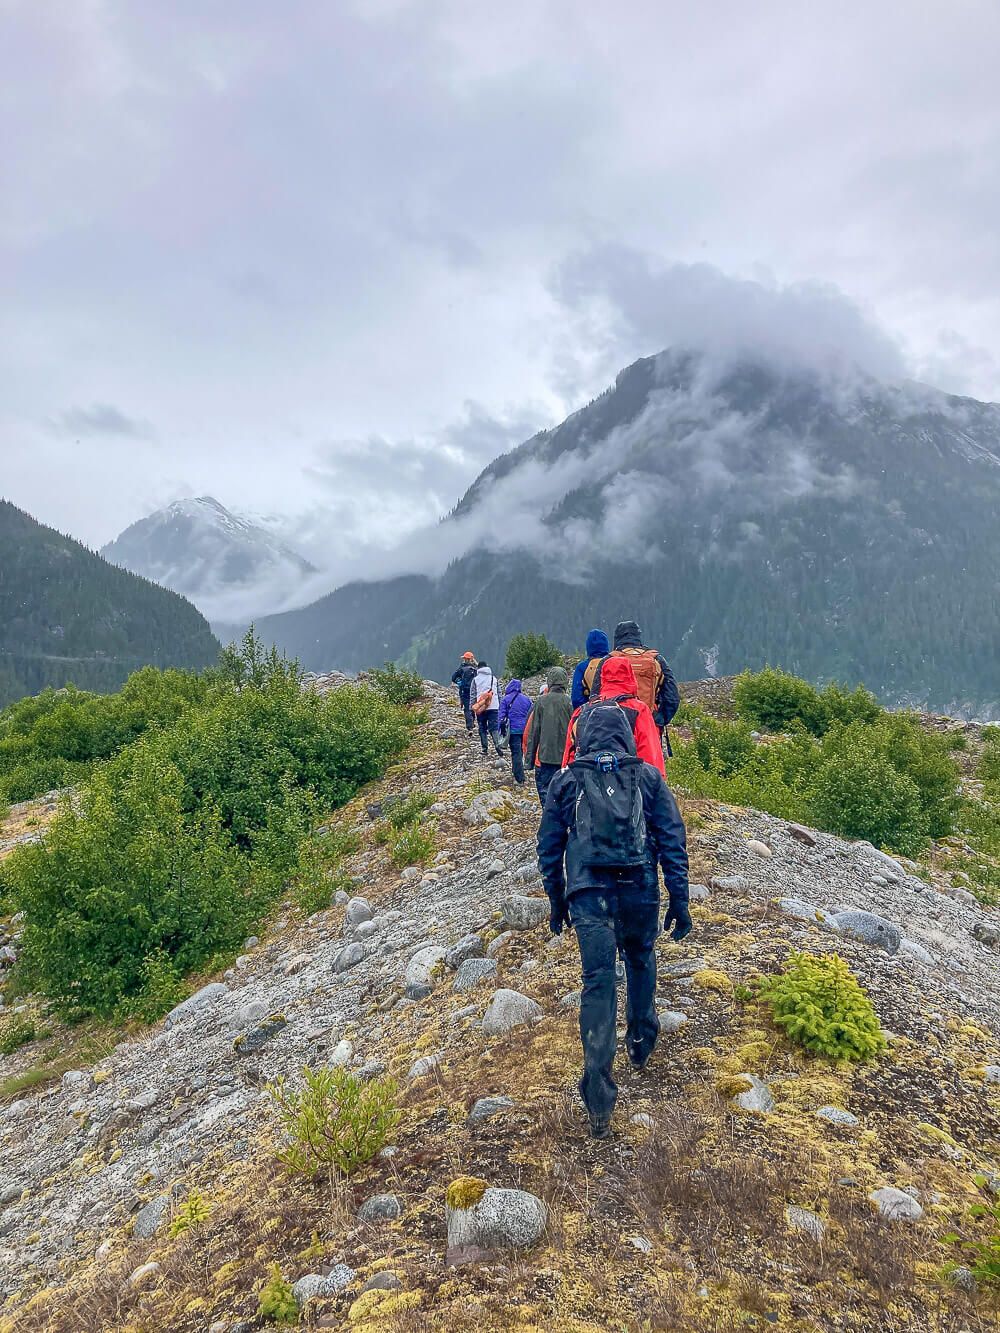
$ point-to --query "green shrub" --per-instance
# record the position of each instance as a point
(530, 654)
(160, 988)
(409, 809)
(54, 739)
(988, 769)
(859, 794)
(183, 840)
(397, 684)
(193, 1211)
(890, 782)
(778, 701)
(775, 700)
(277, 1301)
(335, 1122)
(818, 1003)
(15, 1031)
(414, 845)
(249, 665)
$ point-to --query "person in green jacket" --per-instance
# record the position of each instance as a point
(549, 724)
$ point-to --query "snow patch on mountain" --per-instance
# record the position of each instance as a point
(231, 567)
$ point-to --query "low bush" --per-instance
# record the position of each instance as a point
(276, 1301)
(879, 776)
(988, 768)
(397, 684)
(180, 843)
(530, 654)
(818, 1003)
(55, 738)
(334, 1122)
(15, 1031)
(193, 1211)
(413, 845)
(775, 700)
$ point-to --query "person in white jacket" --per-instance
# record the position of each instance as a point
(485, 703)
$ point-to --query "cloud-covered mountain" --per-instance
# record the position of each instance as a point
(230, 566)
(831, 523)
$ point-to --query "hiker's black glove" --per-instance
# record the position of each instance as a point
(558, 916)
(679, 917)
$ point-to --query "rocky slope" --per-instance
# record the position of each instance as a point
(698, 1214)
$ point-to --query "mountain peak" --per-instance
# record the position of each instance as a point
(230, 566)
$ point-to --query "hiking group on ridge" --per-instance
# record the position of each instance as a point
(609, 825)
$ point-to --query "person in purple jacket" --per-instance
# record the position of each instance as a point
(515, 709)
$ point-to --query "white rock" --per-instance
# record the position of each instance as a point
(507, 1010)
(422, 965)
(671, 1020)
(496, 946)
(835, 1115)
(341, 1054)
(757, 1098)
(896, 1205)
(806, 1221)
(915, 950)
(424, 1066)
(759, 848)
(502, 1219)
(141, 1276)
(356, 911)
(199, 1000)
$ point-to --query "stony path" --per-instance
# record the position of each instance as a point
(104, 1150)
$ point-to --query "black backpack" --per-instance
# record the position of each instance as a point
(610, 826)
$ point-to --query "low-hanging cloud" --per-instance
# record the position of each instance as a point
(648, 305)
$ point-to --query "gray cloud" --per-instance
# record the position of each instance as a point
(269, 229)
(101, 419)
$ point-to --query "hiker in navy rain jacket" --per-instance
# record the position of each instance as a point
(597, 647)
(463, 678)
(515, 709)
(613, 908)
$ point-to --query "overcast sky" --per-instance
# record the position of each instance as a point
(333, 258)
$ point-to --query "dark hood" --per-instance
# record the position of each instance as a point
(597, 644)
(627, 635)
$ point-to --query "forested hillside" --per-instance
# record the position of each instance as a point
(839, 529)
(67, 615)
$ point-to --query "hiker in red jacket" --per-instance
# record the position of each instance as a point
(618, 682)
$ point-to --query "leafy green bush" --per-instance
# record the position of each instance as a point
(988, 769)
(183, 839)
(193, 1211)
(54, 739)
(818, 1003)
(529, 654)
(778, 701)
(859, 794)
(334, 1122)
(414, 845)
(15, 1031)
(879, 776)
(775, 700)
(409, 809)
(276, 1301)
(397, 684)
(890, 782)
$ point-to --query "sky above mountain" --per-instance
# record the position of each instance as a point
(327, 261)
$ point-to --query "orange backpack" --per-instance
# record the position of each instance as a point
(648, 673)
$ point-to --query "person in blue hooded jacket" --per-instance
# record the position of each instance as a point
(515, 709)
(598, 647)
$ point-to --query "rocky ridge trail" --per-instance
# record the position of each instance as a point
(746, 1184)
